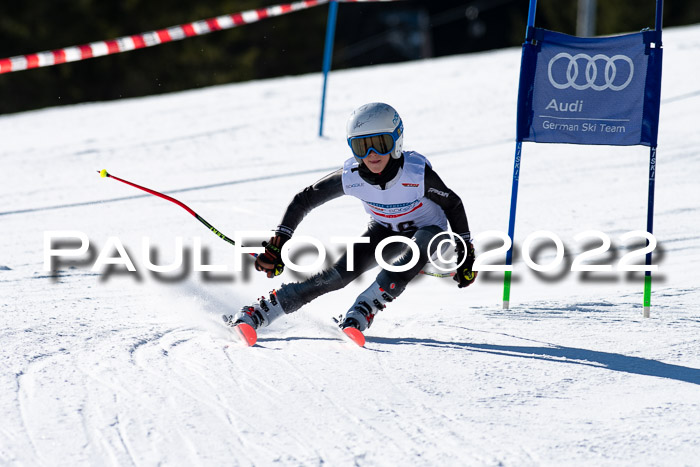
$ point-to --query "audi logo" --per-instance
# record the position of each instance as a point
(592, 63)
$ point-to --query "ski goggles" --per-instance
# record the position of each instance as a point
(381, 143)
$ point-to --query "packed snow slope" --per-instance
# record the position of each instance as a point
(110, 367)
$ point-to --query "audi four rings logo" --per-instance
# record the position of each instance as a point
(592, 63)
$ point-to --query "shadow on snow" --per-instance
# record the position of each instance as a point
(570, 355)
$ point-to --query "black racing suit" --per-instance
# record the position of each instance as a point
(293, 296)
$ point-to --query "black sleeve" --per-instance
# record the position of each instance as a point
(451, 204)
(326, 189)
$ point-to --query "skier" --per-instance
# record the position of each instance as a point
(403, 196)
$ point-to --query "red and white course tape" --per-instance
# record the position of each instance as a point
(149, 39)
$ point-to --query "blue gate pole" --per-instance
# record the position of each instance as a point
(531, 14)
(328, 55)
(650, 229)
(511, 224)
(659, 15)
(514, 190)
(652, 185)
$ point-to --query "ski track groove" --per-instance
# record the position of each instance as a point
(221, 408)
(407, 405)
(22, 401)
(89, 409)
(124, 437)
(250, 384)
(245, 445)
(142, 360)
(399, 421)
(233, 414)
(431, 410)
(145, 363)
(23, 418)
(92, 437)
(477, 452)
(192, 452)
(455, 434)
(317, 389)
(95, 436)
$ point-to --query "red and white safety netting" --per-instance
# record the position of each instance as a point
(149, 39)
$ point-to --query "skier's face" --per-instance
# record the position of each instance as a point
(376, 163)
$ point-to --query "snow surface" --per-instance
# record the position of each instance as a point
(119, 368)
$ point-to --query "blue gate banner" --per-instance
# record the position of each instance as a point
(590, 90)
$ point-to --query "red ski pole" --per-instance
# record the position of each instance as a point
(103, 173)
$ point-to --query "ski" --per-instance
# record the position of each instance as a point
(246, 334)
(354, 334)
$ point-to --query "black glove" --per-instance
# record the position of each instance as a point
(270, 261)
(464, 276)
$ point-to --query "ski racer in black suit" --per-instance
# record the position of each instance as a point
(403, 196)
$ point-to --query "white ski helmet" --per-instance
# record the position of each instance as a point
(375, 126)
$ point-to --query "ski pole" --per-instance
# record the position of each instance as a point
(103, 173)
